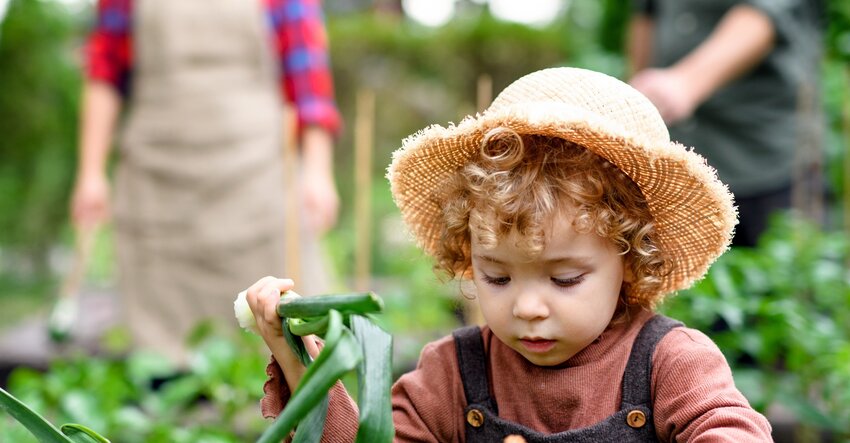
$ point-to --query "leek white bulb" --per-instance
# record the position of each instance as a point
(243, 313)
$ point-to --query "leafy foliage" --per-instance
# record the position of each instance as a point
(838, 29)
(781, 315)
(351, 341)
(144, 399)
(40, 83)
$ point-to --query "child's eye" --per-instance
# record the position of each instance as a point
(497, 281)
(567, 282)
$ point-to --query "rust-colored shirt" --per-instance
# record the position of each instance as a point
(694, 395)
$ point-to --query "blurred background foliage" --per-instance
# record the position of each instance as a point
(783, 307)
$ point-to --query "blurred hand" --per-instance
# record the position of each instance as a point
(90, 200)
(669, 91)
(263, 297)
(321, 201)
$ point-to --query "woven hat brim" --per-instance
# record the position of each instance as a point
(693, 210)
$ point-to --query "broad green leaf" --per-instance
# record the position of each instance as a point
(315, 422)
(374, 379)
(35, 423)
(340, 354)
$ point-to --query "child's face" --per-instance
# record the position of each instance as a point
(550, 306)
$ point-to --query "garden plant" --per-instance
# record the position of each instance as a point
(352, 341)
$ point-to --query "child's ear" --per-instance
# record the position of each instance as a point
(628, 275)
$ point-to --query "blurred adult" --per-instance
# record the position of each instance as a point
(736, 79)
(198, 204)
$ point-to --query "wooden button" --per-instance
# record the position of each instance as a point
(475, 418)
(636, 419)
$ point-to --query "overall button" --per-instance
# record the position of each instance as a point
(475, 418)
(636, 419)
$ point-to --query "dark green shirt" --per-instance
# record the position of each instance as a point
(749, 130)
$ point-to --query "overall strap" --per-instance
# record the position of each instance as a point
(637, 379)
(473, 366)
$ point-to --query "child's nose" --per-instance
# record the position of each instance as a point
(529, 305)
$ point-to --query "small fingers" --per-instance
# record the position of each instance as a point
(269, 297)
(252, 296)
(311, 345)
(263, 297)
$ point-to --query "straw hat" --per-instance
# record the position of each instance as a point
(693, 210)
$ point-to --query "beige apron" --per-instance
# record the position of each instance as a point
(199, 193)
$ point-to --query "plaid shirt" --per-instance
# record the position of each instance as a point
(299, 36)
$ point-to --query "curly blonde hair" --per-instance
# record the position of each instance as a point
(522, 181)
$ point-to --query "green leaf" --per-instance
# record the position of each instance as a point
(340, 354)
(320, 305)
(307, 326)
(82, 434)
(35, 423)
(315, 420)
(295, 343)
(374, 379)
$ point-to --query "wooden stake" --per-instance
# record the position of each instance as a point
(471, 311)
(292, 228)
(806, 195)
(363, 146)
(485, 91)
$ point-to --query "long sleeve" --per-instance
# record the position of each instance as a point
(109, 48)
(695, 398)
(428, 402)
(302, 46)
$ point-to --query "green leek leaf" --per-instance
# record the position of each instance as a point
(35, 423)
(82, 434)
(315, 422)
(340, 354)
(374, 378)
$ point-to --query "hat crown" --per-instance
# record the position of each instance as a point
(611, 99)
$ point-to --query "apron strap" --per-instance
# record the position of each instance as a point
(637, 379)
(473, 366)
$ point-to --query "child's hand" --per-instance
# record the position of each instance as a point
(263, 297)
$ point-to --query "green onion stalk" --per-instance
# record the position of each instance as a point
(352, 342)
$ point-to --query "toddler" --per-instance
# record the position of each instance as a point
(573, 214)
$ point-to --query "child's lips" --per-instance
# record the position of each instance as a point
(537, 345)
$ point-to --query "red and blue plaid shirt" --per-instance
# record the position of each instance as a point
(300, 38)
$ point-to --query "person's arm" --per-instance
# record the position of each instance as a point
(694, 395)
(307, 83)
(286, 370)
(428, 402)
(263, 297)
(101, 106)
(639, 43)
(318, 182)
(742, 39)
(107, 75)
